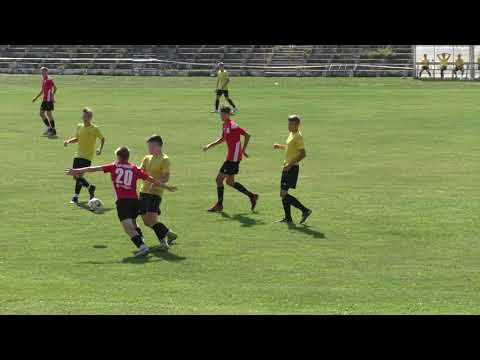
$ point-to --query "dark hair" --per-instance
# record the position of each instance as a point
(226, 109)
(156, 139)
(294, 118)
(123, 153)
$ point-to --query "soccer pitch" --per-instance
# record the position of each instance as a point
(392, 174)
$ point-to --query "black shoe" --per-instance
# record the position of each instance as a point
(305, 216)
(74, 200)
(91, 191)
(53, 132)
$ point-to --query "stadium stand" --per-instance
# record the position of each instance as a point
(188, 60)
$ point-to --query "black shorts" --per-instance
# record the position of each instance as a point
(289, 178)
(149, 203)
(47, 106)
(230, 167)
(443, 67)
(458, 68)
(425, 67)
(127, 209)
(81, 163)
(222, 92)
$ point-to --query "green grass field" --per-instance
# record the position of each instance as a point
(392, 174)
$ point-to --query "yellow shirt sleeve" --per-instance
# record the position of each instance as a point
(143, 165)
(98, 133)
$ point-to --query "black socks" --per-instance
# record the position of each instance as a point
(294, 202)
(217, 102)
(220, 191)
(286, 209)
(160, 230)
(137, 240)
(45, 121)
(231, 103)
(242, 189)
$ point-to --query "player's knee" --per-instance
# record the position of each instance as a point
(230, 182)
(219, 180)
(283, 193)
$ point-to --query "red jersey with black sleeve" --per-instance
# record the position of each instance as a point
(231, 135)
(47, 88)
(124, 179)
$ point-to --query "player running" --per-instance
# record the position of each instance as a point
(443, 62)
(86, 137)
(294, 153)
(124, 178)
(48, 90)
(231, 135)
(425, 66)
(459, 66)
(157, 165)
(222, 88)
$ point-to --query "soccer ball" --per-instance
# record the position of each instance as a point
(95, 204)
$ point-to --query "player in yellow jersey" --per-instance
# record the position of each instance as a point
(223, 80)
(443, 58)
(86, 137)
(157, 165)
(294, 153)
(459, 66)
(425, 66)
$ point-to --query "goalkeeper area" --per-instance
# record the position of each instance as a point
(391, 173)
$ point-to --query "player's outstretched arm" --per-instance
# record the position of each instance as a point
(70, 141)
(279, 146)
(161, 184)
(36, 97)
(245, 144)
(215, 143)
(79, 171)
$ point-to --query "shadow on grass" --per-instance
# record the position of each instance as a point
(307, 230)
(243, 219)
(100, 246)
(84, 205)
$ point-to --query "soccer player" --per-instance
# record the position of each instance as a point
(124, 178)
(86, 137)
(231, 135)
(294, 153)
(157, 165)
(425, 66)
(459, 66)
(48, 90)
(222, 87)
(443, 62)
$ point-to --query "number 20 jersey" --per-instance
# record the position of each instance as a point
(124, 179)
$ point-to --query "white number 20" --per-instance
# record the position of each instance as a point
(127, 176)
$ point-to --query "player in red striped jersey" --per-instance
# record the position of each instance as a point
(231, 133)
(48, 90)
(124, 178)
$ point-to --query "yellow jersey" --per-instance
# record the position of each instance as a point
(294, 145)
(424, 62)
(222, 79)
(155, 166)
(87, 137)
(443, 61)
(459, 62)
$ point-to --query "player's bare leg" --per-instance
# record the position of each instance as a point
(46, 122)
(231, 103)
(164, 235)
(130, 228)
(53, 131)
(239, 187)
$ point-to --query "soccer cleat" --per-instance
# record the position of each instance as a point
(53, 132)
(253, 200)
(216, 208)
(91, 191)
(305, 216)
(171, 237)
(284, 221)
(164, 243)
(74, 200)
(46, 132)
(144, 250)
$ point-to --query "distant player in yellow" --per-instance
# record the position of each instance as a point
(294, 153)
(425, 66)
(157, 165)
(223, 80)
(86, 137)
(459, 66)
(443, 63)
